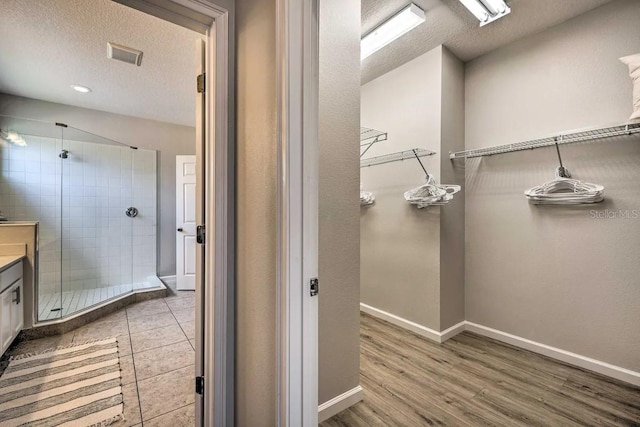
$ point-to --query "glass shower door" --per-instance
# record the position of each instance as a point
(45, 172)
(96, 230)
(95, 201)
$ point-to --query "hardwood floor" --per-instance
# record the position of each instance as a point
(475, 381)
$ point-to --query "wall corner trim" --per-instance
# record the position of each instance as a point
(574, 359)
(423, 331)
(339, 403)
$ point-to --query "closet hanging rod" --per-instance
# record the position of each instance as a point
(370, 136)
(396, 157)
(563, 138)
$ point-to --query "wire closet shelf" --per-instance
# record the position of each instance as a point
(371, 136)
(396, 157)
(368, 138)
(563, 138)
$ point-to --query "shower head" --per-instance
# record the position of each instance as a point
(64, 154)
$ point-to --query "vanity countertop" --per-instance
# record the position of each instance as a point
(9, 260)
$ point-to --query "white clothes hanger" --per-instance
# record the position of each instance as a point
(366, 197)
(565, 191)
(431, 193)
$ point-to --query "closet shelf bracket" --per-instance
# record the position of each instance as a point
(369, 137)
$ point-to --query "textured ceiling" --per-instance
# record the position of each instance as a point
(47, 45)
(449, 23)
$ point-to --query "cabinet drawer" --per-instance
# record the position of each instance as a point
(10, 275)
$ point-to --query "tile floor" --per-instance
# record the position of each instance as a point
(156, 340)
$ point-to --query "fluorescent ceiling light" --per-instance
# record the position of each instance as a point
(487, 10)
(81, 89)
(399, 24)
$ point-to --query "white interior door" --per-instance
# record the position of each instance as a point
(186, 222)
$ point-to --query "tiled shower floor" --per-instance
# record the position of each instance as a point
(54, 306)
(156, 345)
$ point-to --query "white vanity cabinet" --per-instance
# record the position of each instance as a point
(11, 304)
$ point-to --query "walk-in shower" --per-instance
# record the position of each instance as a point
(95, 201)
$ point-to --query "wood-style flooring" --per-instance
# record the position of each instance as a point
(471, 380)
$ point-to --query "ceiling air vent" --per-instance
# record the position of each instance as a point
(124, 54)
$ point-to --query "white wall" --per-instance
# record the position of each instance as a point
(167, 139)
(85, 238)
(556, 275)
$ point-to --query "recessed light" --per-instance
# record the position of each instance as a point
(81, 89)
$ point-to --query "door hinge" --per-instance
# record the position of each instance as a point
(200, 385)
(200, 83)
(315, 287)
(201, 234)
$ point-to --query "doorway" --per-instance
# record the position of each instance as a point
(215, 182)
(215, 202)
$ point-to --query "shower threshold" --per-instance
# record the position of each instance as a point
(58, 306)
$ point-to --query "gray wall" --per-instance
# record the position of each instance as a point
(256, 213)
(452, 215)
(400, 245)
(339, 221)
(256, 206)
(168, 139)
(556, 275)
(412, 260)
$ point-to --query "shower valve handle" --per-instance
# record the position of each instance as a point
(132, 212)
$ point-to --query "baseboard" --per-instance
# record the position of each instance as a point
(452, 331)
(423, 331)
(588, 363)
(339, 403)
(584, 362)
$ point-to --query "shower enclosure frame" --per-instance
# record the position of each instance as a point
(89, 263)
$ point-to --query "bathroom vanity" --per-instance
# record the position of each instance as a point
(11, 299)
(20, 238)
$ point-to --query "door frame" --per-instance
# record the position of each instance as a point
(297, 56)
(216, 311)
(216, 19)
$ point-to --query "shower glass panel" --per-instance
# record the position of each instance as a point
(145, 199)
(96, 204)
(96, 231)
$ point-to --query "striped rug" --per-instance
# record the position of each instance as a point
(68, 386)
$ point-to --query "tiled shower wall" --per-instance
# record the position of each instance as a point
(86, 240)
